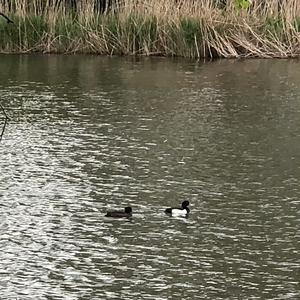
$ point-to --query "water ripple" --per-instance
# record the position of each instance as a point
(75, 148)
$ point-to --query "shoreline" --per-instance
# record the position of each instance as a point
(202, 32)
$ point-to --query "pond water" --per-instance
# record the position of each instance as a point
(92, 133)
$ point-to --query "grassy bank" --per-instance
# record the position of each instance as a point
(186, 28)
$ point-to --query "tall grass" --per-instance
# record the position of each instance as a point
(188, 28)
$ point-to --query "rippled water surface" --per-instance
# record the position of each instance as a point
(89, 134)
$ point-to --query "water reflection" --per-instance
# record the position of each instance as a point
(92, 133)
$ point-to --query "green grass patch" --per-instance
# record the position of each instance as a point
(191, 30)
(274, 26)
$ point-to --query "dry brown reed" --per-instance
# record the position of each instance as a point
(188, 28)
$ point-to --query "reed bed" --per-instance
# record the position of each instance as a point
(186, 28)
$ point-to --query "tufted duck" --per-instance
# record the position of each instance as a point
(127, 213)
(183, 211)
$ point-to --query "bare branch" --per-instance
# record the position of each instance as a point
(4, 112)
(5, 121)
(6, 18)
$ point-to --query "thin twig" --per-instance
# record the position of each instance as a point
(3, 129)
(6, 18)
(3, 110)
(5, 121)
